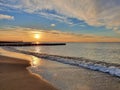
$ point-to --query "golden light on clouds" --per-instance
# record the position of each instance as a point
(36, 35)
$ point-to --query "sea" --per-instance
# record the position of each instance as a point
(106, 52)
(76, 66)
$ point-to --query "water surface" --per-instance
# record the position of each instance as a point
(106, 52)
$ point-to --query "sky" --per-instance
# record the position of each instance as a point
(60, 20)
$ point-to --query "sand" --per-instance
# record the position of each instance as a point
(15, 76)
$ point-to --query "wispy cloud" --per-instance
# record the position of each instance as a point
(8, 17)
(93, 12)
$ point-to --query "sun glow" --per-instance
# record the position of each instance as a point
(36, 36)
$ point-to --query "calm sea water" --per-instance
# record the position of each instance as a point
(107, 52)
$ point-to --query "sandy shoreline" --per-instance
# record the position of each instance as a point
(15, 76)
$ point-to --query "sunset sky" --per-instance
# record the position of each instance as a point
(60, 20)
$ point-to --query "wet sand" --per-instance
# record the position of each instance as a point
(15, 76)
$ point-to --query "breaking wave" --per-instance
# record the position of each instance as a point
(110, 68)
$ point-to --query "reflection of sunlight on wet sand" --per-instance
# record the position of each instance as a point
(35, 61)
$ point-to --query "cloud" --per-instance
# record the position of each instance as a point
(52, 25)
(2, 16)
(57, 17)
(52, 32)
(93, 12)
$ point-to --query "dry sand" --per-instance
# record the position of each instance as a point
(14, 76)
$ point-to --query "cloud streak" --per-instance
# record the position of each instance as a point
(8, 17)
(93, 12)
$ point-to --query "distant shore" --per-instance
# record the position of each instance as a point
(14, 76)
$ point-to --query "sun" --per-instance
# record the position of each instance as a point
(36, 36)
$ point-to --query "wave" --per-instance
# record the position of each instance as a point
(110, 68)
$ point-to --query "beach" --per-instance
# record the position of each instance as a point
(59, 44)
(25, 70)
(15, 76)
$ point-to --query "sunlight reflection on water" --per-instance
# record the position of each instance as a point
(38, 49)
(35, 61)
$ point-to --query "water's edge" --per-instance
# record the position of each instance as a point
(112, 69)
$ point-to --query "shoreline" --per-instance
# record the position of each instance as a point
(15, 76)
(112, 69)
